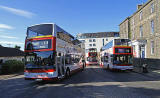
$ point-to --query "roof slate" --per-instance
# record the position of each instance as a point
(10, 52)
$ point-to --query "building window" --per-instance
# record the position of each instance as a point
(86, 50)
(140, 15)
(152, 47)
(152, 26)
(94, 40)
(90, 40)
(152, 7)
(141, 31)
(94, 44)
(83, 41)
(106, 39)
(116, 35)
(103, 42)
(90, 45)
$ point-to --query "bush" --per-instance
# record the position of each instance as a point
(12, 66)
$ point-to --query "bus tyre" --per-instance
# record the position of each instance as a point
(83, 67)
(108, 67)
(67, 74)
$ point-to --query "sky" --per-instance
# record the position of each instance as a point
(74, 16)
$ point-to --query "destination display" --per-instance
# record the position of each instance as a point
(39, 44)
(92, 53)
(122, 50)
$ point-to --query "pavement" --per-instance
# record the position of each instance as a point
(152, 73)
(4, 77)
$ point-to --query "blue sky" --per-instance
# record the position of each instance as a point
(74, 16)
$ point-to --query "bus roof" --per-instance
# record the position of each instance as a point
(54, 28)
(40, 24)
(116, 42)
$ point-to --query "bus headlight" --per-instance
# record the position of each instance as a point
(50, 73)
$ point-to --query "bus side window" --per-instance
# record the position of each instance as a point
(76, 58)
(106, 58)
(88, 59)
(63, 59)
(68, 59)
(58, 58)
(111, 58)
(101, 59)
(59, 54)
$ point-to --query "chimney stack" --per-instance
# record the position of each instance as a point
(139, 6)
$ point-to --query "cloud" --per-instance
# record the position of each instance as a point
(4, 26)
(9, 42)
(19, 12)
(9, 37)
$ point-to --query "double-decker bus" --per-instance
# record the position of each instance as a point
(91, 57)
(117, 54)
(51, 53)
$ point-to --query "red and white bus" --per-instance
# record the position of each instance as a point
(51, 53)
(92, 57)
(117, 54)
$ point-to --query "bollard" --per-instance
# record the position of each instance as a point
(145, 70)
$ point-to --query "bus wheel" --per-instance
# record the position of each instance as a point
(83, 67)
(108, 67)
(67, 74)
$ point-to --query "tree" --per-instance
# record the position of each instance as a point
(17, 47)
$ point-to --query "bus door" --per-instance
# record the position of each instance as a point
(111, 60)
(60, 65)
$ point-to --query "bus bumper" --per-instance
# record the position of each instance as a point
(42, 79)
(40, 76)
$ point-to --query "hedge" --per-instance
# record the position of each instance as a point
(12, 66)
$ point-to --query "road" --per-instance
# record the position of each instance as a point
(93, 82)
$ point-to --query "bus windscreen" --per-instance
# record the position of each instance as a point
(93, 54)
(39, 30)
(123, 59)
(37, 59)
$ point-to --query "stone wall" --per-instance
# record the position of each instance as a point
(124, 29)
(152, 63)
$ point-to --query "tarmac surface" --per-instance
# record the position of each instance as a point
(93, 82)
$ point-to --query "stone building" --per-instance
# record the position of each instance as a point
(143, 28)
(124, 29)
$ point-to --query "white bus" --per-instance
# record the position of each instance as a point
(117, 54)
(51, 53)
